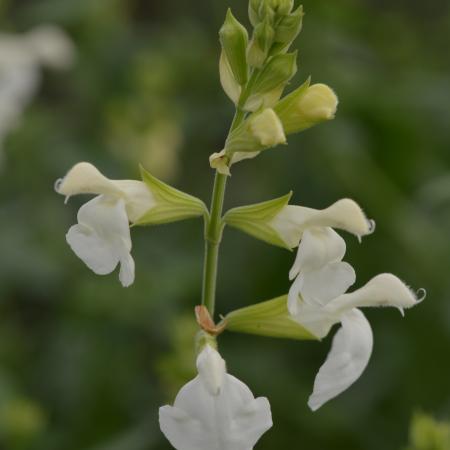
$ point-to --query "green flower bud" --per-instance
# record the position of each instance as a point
(281, 7)
(253, 11)
(234, 40)
(270, 318)
(272, 10)
(272, 80)
(307, 106)
(261, 44)
(289, 28)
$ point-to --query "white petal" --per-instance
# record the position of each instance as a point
(138, 197)
(317, 320)
(349, 356)
(345, 214)
(325, 284)
(84, 178)
(102, 237)
(51, 46)
(383, 290)
(211, 369)
(319, 246)
(126, 274)
(231, 420)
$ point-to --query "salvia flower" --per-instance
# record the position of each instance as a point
(318, 300)
(102, 236)
(215, 411)
(278, 223)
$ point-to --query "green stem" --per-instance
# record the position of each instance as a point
(212, 243)
(213, 235)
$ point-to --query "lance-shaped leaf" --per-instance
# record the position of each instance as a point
(270, 318)
(256, 220)
(171, 204)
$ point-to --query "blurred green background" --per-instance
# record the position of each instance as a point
(84, 363)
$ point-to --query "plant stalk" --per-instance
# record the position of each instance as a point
(213, 234)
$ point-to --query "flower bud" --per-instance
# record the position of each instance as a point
(273, 10)
(307, 106)
(267, 129)
(271, 81)
(261, 44)
(278, 71)
(260, 131)
(234, 40)
(289, 28)
(253, 11)
(281, 7)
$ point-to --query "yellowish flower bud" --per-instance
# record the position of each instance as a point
(267, 128)
(307, 106)
(260, 131)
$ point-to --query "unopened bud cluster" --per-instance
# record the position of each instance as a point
(254, 73)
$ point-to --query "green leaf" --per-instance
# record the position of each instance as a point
(171, 204)
(270, 318)
(255, 220)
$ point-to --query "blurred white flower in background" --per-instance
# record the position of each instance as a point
(21, 59)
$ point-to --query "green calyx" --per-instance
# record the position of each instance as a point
(270, 318)
(256, 219)
(171, 204)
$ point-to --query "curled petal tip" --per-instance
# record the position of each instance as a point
(58, 184)
(421, 295)
(372, 226)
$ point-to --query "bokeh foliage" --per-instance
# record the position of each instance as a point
(84, 364)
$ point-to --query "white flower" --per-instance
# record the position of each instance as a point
(317, 300)
(102, 236)
(215, 411)
(20, 60)
(345, 214)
